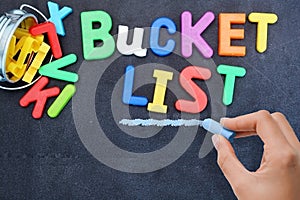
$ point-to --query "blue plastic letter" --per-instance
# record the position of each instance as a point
(154, 36)
(57, 16)
(127, 90)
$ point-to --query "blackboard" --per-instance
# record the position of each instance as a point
(46, 158)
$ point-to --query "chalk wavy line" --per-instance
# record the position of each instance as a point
(161, 123)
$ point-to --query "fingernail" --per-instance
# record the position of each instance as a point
(222, 120)
(215, 140)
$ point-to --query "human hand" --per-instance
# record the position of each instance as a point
(278, 176)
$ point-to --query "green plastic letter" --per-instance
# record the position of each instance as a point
(91, 35)
(231, 72)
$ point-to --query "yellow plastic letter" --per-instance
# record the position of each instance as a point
(162, 78)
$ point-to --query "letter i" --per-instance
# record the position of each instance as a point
(61, 101)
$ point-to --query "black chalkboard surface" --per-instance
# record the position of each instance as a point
(74, 156)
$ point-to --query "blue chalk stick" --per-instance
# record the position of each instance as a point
(216, 128)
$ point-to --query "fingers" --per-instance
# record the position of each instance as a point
(245, 134)
(232, 168)
(260, 122)
(286, 129)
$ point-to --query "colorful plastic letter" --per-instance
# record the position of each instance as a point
(61, 101)
(27, 23)
(57, 16)
(154, 36)
(162, 78)
(185, 79)
(53, 69)
(231, 72)
(192, 34)
(49, 28)
(39, 96)
(226, 34)
(26, 45)
(36, 63)
(262, 20)
(136, 46)
(20, 32)
(91, 35)
(127, 90)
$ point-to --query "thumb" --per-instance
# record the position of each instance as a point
(231, 167)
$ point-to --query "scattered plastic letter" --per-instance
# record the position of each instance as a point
(58, 15)
(36, 63)
(61, 101)
(39, 96)
(26, 45)
(53, 69)
(49, 28)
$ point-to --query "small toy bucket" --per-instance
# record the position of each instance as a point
(9, 22)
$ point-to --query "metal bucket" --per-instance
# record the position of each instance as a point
(9, 22)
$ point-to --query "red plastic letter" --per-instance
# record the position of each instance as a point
(40, 96)
(185, 79)
(49, 28)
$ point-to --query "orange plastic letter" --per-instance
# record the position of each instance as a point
(226, 34)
